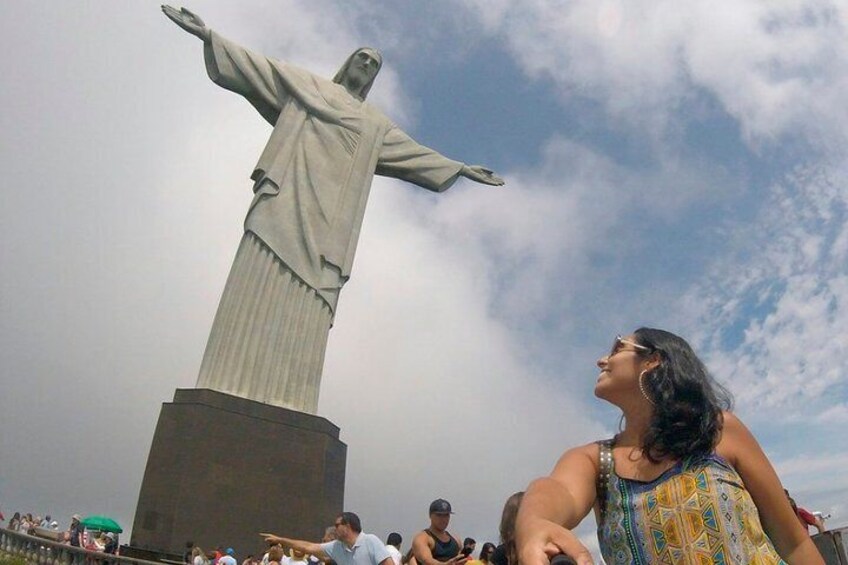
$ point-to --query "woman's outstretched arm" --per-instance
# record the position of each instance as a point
(554, 505)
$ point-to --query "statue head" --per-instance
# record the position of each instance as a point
(359, 71)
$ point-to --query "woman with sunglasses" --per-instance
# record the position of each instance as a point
(683, 482)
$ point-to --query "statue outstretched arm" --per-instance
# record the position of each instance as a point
(233, 67)
(481, 174)
(404, 158)
(187, 20)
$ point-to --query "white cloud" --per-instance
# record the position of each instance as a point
(776, 67)
(572, 219)
(836, 415)
(817, 482)
(824, 465)
(773, 314)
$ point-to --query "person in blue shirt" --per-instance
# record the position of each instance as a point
(351, 546)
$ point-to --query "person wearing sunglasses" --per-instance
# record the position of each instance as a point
(683, 482)
(351, 547)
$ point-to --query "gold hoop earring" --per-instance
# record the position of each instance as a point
(642, 387)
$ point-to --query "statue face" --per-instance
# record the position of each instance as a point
(363, 67)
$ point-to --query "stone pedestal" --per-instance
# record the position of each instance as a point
(223, 468)
(832, 545)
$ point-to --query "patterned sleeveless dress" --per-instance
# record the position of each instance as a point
(696, 513)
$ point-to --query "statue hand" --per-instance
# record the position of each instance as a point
(481, 175)
(187, 20)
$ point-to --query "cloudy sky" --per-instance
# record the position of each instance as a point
(675, 164)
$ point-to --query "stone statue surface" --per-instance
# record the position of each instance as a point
(311, 185)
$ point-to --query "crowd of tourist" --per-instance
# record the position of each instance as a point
(431, 546)
(76, 535)
(27, 523)
(195, 555)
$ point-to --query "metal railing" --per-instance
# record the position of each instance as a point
(40, 551)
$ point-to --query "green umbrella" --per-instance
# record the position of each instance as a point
(102, 523)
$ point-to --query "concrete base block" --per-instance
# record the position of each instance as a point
(222, 468)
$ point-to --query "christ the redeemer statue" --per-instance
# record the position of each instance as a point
(312, 182)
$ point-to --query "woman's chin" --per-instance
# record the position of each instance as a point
(599, 390)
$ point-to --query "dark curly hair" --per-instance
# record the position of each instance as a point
(688, 402)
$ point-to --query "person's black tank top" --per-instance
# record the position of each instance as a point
(443, 550)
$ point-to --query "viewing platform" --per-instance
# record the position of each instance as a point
(42, 551)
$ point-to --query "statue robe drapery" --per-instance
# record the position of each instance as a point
(311, 185)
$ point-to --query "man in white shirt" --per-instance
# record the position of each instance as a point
(351, 546)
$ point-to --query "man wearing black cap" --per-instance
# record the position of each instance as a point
(435, 545)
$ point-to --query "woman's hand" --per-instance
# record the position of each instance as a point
(553, 505)
(539, 540)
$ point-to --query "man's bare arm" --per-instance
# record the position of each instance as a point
(302, 546)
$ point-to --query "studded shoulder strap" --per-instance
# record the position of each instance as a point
(604, 471)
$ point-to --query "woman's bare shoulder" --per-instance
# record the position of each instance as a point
(586, 456)
(735, 438)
